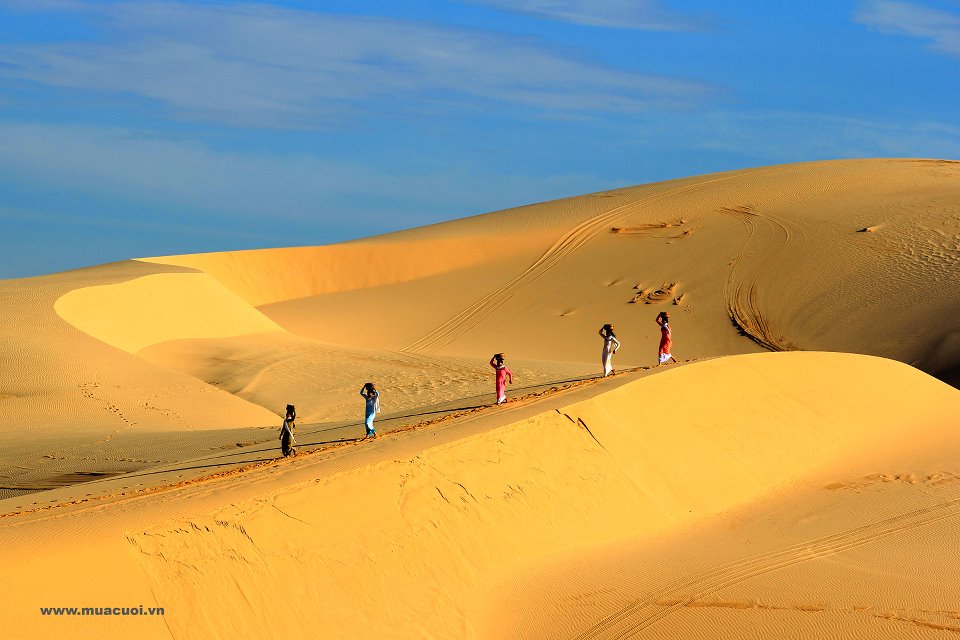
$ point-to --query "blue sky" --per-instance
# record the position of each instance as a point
(142, 128)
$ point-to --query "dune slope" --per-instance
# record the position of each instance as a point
(417, 536)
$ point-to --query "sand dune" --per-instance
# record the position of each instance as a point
(417, 537)
(72, 404)
(775, 250)
(768, 481)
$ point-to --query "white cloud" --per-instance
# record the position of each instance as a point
(942, 28)
(644, 15)
(262, 66)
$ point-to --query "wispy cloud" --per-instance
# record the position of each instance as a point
(262, 66)
(175, 174)
(942, 28)
(644, 15)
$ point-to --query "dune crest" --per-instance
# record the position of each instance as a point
(264, 276)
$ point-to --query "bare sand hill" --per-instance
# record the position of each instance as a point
(788, 494)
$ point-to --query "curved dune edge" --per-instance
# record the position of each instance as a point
(159, 308)
(264, 276)
(409, 546)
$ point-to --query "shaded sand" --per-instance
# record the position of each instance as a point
(414, 535)
(326, 379)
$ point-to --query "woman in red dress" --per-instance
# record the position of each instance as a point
(503, 372)
(666, 338)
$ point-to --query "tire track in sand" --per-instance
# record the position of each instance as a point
(630, 620)
(740, 290)
(567, 244)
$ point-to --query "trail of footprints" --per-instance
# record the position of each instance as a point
(89, 390)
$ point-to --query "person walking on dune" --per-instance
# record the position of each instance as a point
(372, 398)
(286, 432)
(666, 339)
(610, 346)
(503, 373)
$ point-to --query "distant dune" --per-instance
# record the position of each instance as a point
(765, 493)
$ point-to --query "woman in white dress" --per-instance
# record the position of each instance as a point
(610, 346)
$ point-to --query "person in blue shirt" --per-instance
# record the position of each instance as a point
(372, 398)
